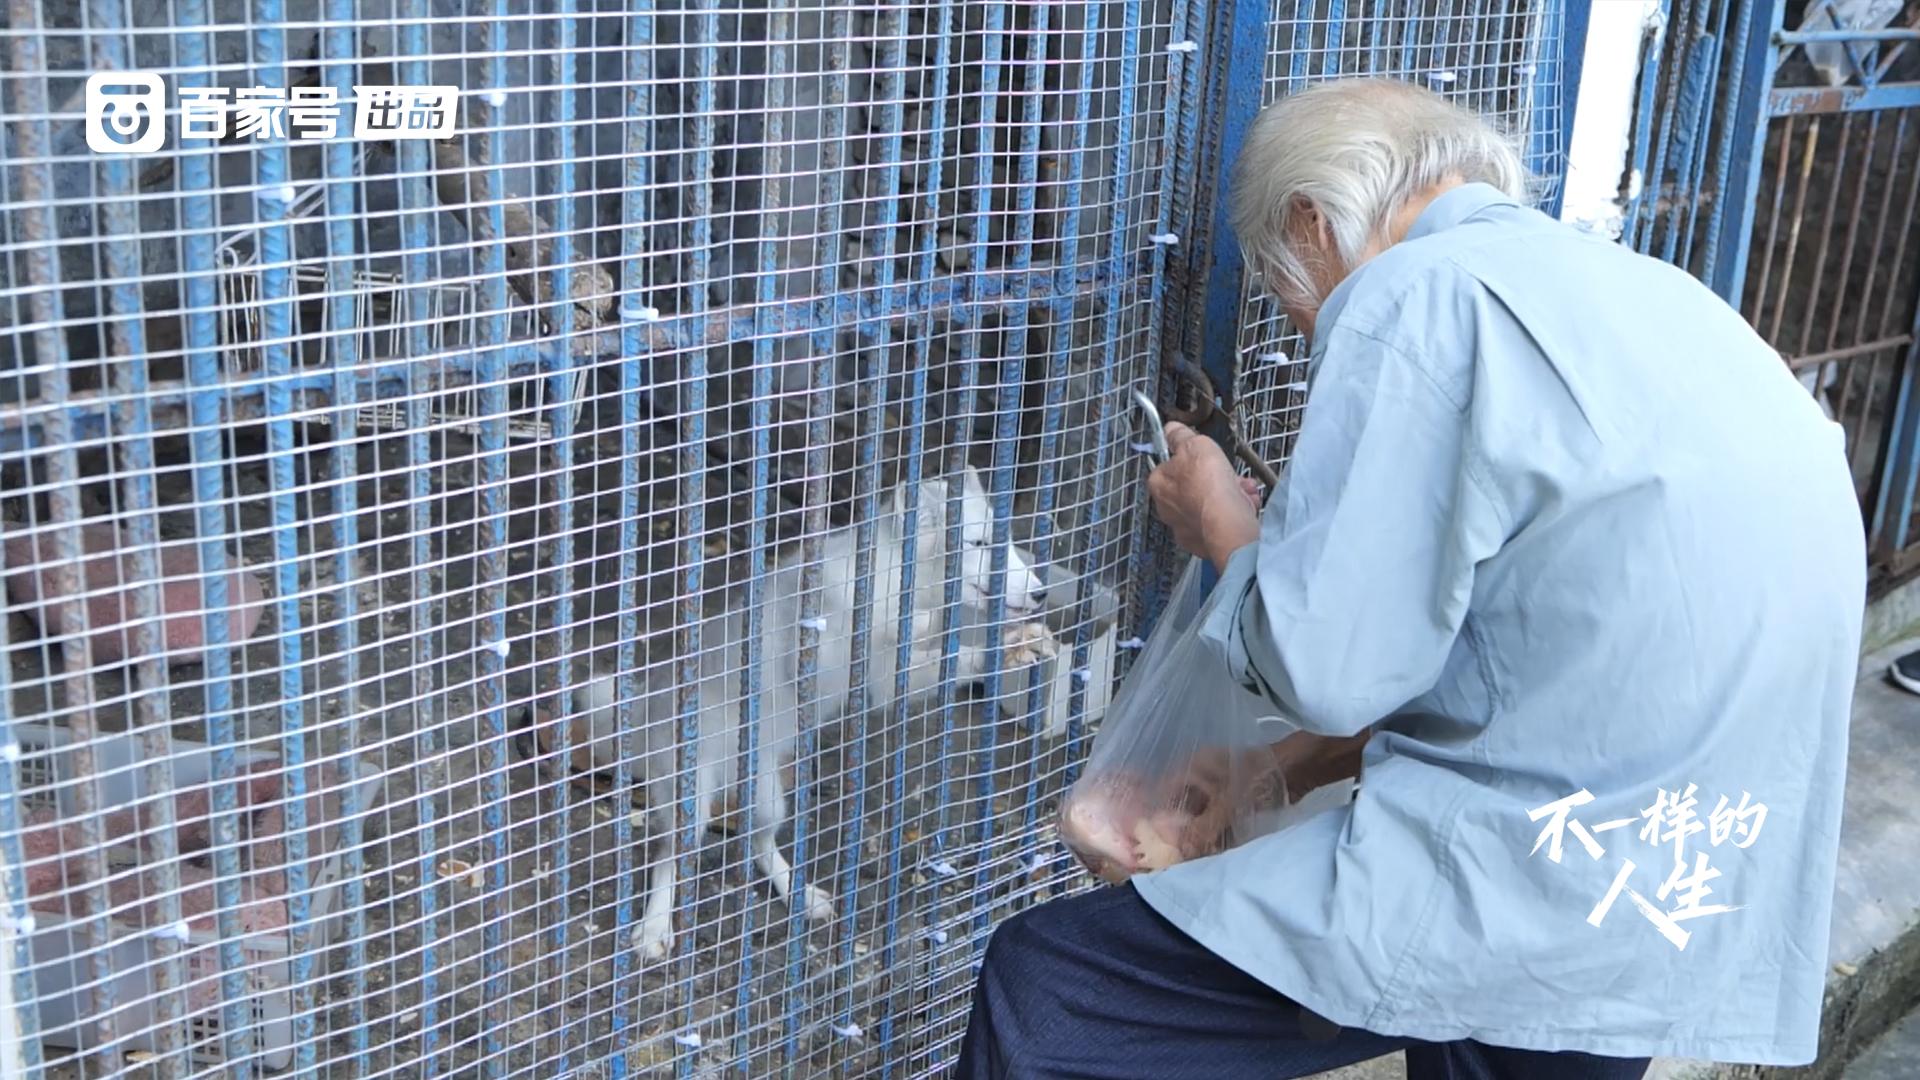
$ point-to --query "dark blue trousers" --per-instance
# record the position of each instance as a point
(1099, 987)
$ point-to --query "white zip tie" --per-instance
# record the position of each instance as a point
(1525, 70)
(819, 624)
(1140, 447)
(10, 752)
(1165, 238)
(1131, 643)
(501, 649)
(691, 1040)
(288, 193)
(497, 98)
(1443, 76)
(1183, 46)
(849, 1030)
(178, 931)
(944, 869)
(939, 936)
(1083, 676)
(24, 925)
(1276, 358)
(640, 313)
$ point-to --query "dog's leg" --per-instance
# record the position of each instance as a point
(654, 937)
(770, 812)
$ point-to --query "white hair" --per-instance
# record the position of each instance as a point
(1357, 150)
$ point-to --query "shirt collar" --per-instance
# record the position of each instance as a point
(1443, 213)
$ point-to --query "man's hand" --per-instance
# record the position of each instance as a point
(1217, 786)
(1211, 512)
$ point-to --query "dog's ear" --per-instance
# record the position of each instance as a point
(933, 503)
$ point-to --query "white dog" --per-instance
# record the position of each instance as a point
(721, 764)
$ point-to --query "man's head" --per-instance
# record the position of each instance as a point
(1331, 176)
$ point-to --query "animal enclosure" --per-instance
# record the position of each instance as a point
(1777, 156)
(428, 560)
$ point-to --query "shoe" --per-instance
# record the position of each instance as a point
(1905, 672)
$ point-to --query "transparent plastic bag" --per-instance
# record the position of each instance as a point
(1185, 763)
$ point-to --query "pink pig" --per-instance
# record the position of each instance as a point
(108, 570)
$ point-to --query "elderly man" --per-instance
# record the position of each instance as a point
(1569, 553)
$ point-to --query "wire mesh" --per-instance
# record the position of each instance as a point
(617, 589)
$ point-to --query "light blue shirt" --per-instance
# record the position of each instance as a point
(1559, 522)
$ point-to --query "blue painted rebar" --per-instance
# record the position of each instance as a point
(982, 198)
(1903, 386)
(490, 647)
(693, 490)
(1900, 471)
(921, 352)
(1107, 436)
(342, 173)
(1104, 412)
(1746, 118)
(560, 391)
(1181, 294)
(153, 715)
(32, 139)
(1297, 57)
(1799, 100)
(1696, 178)
(276, 288)
(1741, 43)
(1012, 382)
(1670, 119)
(1240, 40)
(63, 580)
(1410, 40)
(416, 233)
(1336, 35)
(1154, 552)
(873, 342)
(637, 137)
(1690, 117)
(753, 652)
(1644, 111)
(386, 378)
(1572, 47)
(1903, 460)
(192, 49)
(833, 137)
(1473, 75)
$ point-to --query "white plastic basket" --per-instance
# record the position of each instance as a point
(61, 970)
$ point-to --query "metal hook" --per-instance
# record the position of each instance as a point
(1156, 431)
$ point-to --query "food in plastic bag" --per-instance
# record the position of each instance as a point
(1184, 764)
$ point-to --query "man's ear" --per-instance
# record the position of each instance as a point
(1307, 226)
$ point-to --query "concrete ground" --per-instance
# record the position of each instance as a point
(1875, 946)
(1893, 1056)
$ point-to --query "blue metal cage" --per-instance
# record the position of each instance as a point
(376, 507)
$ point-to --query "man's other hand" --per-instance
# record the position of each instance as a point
(1211, 512)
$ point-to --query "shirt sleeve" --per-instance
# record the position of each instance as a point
(1350, 603)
